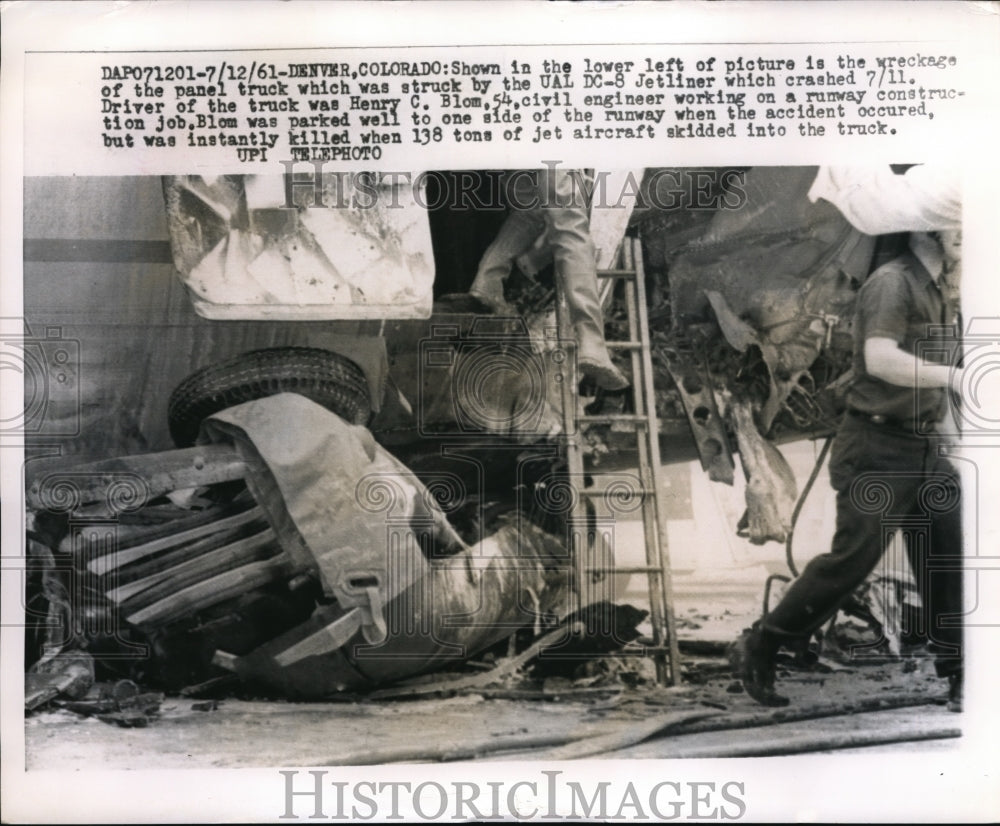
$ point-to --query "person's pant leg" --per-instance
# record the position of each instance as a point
(537, 258)
(817, 592)
(567, 218)
(875, 482)
(516, 236)
(938, 566)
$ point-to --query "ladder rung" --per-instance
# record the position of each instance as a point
(643, 427)
(612, 418)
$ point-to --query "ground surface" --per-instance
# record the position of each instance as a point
(559, 718)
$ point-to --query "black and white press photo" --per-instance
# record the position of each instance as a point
(592, 429)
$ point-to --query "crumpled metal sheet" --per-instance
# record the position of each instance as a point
(340, 504)
(346, 509)
(771, 490)
(780, 273)
(244, 254)
(464, 604)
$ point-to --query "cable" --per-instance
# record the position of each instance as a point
(802, 500)
(789, 559)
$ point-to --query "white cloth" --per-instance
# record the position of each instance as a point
(875, 200)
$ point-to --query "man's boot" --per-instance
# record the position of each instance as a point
(752, 659)
(488, 291)
(485, 295)
(593, 361)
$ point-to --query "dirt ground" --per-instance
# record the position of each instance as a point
(613, 708)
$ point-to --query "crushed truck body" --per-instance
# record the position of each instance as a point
(313, 563)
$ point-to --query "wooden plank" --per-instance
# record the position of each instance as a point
(155, 474)
(162, 562)
(103, 564)
(212, 591)
(140, 593)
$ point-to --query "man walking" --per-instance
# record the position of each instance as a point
(886, 469)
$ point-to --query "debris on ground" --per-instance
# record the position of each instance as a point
(122, 703)
(67, 674)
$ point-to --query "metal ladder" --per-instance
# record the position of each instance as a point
(593, 560)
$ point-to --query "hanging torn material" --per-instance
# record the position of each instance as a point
(337, 246)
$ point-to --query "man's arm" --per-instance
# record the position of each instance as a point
(886, 361)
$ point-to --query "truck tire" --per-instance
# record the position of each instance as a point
(323, 376)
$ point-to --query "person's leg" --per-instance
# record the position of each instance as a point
(566, 215)
(876, 479)
(517, 234)
(938, 570)
(537, 258)
(855, 474)
(539, 254)
(811, 599)
(828, 579)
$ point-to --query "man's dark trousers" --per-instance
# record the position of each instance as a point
(887, 478)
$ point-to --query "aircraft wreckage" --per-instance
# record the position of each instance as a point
(339, 517)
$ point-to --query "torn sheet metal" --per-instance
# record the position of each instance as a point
(266, 247)
(339, 502)
(694, 387)
(340, 572)
(771, 490)
(464, 604)
(782, 267)
(410, 596)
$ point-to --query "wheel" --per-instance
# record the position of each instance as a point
(325, 377)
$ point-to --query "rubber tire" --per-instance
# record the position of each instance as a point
(326, 377)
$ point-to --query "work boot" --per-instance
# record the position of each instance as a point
(486, 294)
(594, 362)
(955, 690)
(604, 374)
(487, 289)
(752, 659)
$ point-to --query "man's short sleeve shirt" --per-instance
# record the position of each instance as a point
(899, 301)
